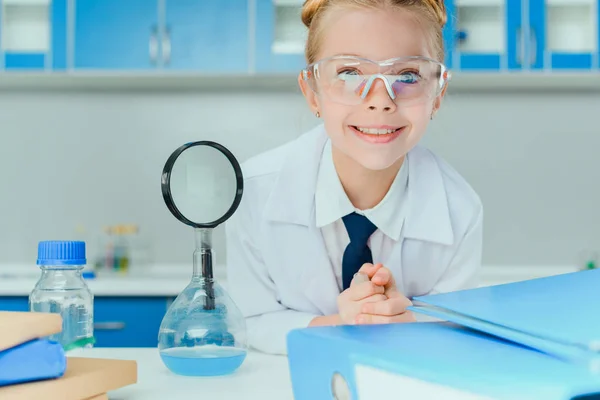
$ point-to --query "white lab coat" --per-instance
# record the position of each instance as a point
(278, 270)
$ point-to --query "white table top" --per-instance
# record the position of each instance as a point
(170, 280)
(166, 280)
(108, 286)
(261, 377)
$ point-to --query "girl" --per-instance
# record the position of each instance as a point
(357, 193)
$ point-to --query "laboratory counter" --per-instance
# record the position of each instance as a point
(170, 280)
(261, 377)
(162, 280)
(108, 286)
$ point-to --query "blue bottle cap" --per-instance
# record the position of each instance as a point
(61, 252)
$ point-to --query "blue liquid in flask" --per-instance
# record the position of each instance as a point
(203, 360)
(196, 340)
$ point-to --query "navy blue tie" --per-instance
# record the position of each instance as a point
(357, 253)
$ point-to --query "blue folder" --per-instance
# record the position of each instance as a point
(557, 314)
(428, 360)
(34, 360)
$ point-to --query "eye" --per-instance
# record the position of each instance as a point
(408, 77)
(348, 72)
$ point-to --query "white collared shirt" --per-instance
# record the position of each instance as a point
(278, 267)
(332, 203)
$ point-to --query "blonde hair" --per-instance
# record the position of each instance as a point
(314, 11)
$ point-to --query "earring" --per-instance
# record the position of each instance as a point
(318, 115)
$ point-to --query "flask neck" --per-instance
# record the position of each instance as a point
(203, 255)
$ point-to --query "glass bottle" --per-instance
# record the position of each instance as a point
(203, 333)
(61, 289)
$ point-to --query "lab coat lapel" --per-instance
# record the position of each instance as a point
(428, 216)
(291, 214)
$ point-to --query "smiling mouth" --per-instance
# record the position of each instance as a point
(376, 131)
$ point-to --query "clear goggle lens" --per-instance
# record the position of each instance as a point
(348, 80)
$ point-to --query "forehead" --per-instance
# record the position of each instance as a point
(374, 34)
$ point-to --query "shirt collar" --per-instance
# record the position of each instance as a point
(332, 203)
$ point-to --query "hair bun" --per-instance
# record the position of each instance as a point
(310, 9)
(439, 9)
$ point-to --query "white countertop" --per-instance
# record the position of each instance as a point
(126, 286)
(158, 280)
(170, 280)
(261, 377)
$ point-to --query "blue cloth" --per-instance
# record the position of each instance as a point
(357, 252)
(35, 360)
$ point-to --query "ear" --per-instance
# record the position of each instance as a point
(438, 100)
(309, 94)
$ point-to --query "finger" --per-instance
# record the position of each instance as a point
(369, 269)
(359, 278)
(370, 319)
(383, 277)
(376, 298)
(393, 293)
(389, 307)
(364, 290)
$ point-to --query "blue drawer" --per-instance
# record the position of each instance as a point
(128, 321)
(118, 321)
(16, 303)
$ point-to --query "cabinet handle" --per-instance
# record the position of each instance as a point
(532, 47)
(166, 46)
(153, 45)
(109, 326)
(520, 47)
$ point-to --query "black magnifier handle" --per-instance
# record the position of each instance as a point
(207, 275)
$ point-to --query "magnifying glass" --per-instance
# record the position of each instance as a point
(202, 186)
(203, 332)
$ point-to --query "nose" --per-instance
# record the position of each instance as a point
(379, 97)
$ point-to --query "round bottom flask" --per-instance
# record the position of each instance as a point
(203, 333)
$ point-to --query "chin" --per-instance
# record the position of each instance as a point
(375, 162)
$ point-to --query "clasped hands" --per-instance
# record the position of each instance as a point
(374, 299)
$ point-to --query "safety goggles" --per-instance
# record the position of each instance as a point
(348, 79)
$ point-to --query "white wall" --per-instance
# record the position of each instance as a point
(93, 159)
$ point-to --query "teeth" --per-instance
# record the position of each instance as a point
(373, 131)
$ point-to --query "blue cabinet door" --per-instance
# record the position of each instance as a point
(14, 303)
(116, 34)
(55, 57)
(450, 35)
(566, 31)
(477, 28)
(128, 321)
(118, 321)
(206, 35)
(59, 25)
(267, 59)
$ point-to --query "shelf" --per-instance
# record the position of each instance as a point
(160, 82)
(570, 2)
(484, 3)
(288, 48)
(572, 28)
(25, 26)
(295, 3)
(26, 2)
(290, 32)
(484, 25)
